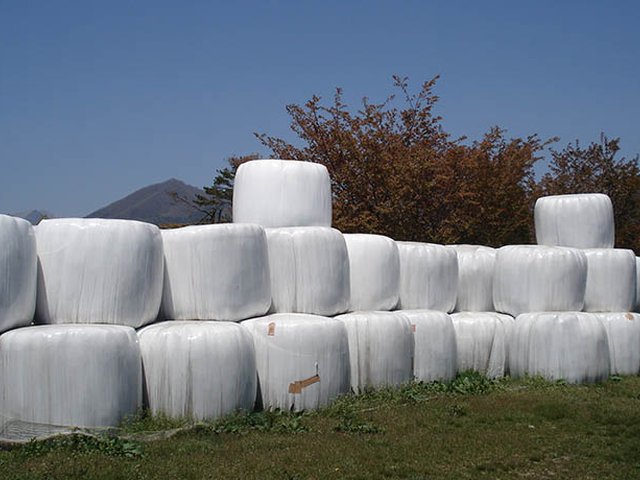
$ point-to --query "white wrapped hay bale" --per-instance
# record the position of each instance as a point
(201, 370)
(374, 265)
(18, 264)
(623, 334)
(99, 271)
(475, 278)
(481, 339)
(560, 345)
(70, 375)
(637, 284)
(282, 193)
(216, 272)
(309, 270)
(381, 349)
(611, 280)
(532, 278)
(436, 352)
(582, 220)
(302, 360)
(428, 276)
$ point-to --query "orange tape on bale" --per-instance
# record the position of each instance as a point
(296, 387)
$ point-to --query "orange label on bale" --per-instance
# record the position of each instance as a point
(271, 329)
(296, 387)
(413, 327)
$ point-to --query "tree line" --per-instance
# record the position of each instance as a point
(395, 171)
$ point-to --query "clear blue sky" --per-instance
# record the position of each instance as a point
(98, 99)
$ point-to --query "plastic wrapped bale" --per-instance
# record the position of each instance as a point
(309, 270)
(374, 264)
(611, 280)
(623, 334)
(381, 349)
(282, 193)
(70, 375)
(637, 284)
(428, 277)
(18, 264)
(475, 278)
(436, 352)
(216, 272)
(481, 339)
(200, 370)
(560, 345)
(582, 220)
(99, 271)
(302, 360)
(531, 278)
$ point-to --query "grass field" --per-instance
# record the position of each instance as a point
(470, 428)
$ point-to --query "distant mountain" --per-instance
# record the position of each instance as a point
(155, 204)
(34, 216)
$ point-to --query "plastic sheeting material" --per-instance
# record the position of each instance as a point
(582, 220)
(74, 375)
(475, 278)
(99, 271)
(200, 370)
(216, 272)
(611, 280)
(18, 264)
(428, 277)
(623, 334)
(560, 345)
(374, 264)
(381, 349)
(530, 278)
(302, 360)
(482, 342)
(637, 284)
(435, 356)
(282, 193)
(309, 270)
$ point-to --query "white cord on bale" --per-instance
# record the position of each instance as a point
(201, 370)
(381, 349)
(309, 270)
(374, 265)
(611, 280)
(18, 264)
(282, 193)
(302, 360)
(435, 356)
(99, 271)
(570, 346)
(428, 277)
(623, 334)
(475, 278)
(583, 220)
(536, 278)
(70, 375)
(216, 272)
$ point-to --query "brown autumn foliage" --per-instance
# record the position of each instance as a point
(395, 171)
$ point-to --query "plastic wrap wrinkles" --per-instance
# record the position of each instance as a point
(18, 265)
(216, 272)
(560, 345)
(637, 284)
(72, 375)
(381, 348)
(99, 271)
(530, 278)
(611, 280)
(309, 270)
(374, 264)
(582, 221)
(201, 370)
(428, 276)
(302, 360)
(482, 342)
(475, 278)
(282, 193)
(623, 334)
(435, 356)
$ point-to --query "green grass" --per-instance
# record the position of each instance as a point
(470, 428)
